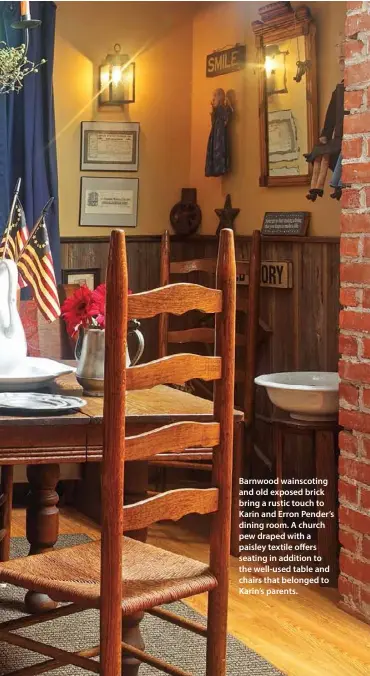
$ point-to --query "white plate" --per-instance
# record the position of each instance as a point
(37, 401)
(32, 373)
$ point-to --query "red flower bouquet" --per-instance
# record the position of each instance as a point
(85, 308)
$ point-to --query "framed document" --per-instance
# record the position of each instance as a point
(89, 277)
(110, 202)
(110, 146)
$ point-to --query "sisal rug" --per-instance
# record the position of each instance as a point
(177, 646)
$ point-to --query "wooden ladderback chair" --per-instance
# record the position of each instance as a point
(122, 576)
(247, 337)
(43, 340)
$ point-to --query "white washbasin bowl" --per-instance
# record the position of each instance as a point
(306, 395)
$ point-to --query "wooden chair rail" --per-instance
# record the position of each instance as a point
(171, 505)
(185, 456)
(180, 464)
(195, 627)
(195, 265)
(63, 656)
(176, 437)
(176, 369)
(204, 265)
(174, 299)
(199, 335)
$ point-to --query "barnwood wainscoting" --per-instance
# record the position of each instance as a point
(303, 320)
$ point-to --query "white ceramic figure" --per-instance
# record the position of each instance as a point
(13, 345)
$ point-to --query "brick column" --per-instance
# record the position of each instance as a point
(354, 342)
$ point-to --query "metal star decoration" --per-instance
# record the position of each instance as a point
(227, 215)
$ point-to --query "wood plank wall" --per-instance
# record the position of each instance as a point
(303, 320)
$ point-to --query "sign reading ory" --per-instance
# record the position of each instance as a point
(225, 61)
(278, 274)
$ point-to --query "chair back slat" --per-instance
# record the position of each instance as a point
(170, 505)
(176, 369)
(201, 265)
(175, 437)
(174, 299)
(194, 265)
(198, 335)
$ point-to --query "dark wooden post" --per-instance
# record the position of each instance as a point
(113, 457)
(223, 457)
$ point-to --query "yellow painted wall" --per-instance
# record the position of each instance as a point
(160, 35)
(170, 41)
(225, 23)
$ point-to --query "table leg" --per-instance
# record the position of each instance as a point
(131, 634)
(42, 523)
(327, 537)
(136, 486)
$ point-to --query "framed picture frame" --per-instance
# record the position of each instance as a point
(88, 276)
(109, 146)
(108, 202)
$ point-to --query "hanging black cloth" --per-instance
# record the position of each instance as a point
(332, 129)
(218, 148)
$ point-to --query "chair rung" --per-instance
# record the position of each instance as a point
(29, 620)
(166, 615)
(154, 661)
(3, 499)
(63, 656)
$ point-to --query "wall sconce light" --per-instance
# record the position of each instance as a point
(116, 79)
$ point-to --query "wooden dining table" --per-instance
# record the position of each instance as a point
(43, 443)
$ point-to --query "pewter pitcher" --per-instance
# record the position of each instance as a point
(90, 352)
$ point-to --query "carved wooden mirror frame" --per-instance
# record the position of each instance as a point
(272, 30)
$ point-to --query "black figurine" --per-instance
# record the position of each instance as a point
(227, 215)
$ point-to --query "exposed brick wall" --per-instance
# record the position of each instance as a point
(354, 343)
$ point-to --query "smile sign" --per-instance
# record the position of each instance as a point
(225, 61)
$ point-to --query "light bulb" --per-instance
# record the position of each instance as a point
(116, 75)
(269, 65)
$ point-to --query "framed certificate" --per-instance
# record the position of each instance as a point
(110, 202)
(110, 146)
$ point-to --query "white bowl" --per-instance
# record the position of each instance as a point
(306, 395)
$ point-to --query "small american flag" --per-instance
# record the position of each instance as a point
(15, 237)
(36, 266)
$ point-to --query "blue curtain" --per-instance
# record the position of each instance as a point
(27, 126)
